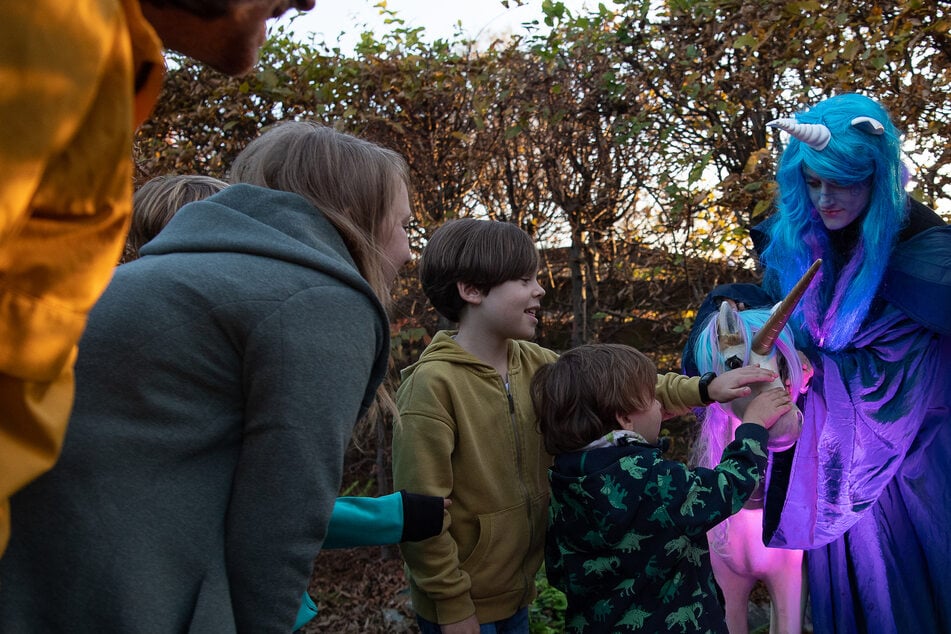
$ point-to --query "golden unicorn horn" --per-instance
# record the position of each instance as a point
(815, 135)
(766, 337)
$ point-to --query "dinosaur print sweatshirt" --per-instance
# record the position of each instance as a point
(627, 533)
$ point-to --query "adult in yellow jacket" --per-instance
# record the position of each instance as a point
(76, 78)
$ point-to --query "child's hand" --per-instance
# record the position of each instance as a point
(767, 407)
(735, 383)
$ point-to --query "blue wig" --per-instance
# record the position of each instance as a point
(837, 302)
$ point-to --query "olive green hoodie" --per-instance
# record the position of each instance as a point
(466, 435)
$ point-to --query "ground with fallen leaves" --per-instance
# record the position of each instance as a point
(360, 590)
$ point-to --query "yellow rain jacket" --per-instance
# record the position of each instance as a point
(76, 78)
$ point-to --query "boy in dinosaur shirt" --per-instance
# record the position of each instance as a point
(627, 529)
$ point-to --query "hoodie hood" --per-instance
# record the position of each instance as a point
(444, 349)
(272, 225)
(263, 222)
(592, 479)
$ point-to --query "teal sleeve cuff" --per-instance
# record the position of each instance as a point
(365, 521)
(308, 610)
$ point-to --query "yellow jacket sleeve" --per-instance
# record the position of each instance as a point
(68, 74)
(678, 394)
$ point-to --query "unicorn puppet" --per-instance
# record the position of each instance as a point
(729, 339)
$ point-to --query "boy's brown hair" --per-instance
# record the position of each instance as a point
(577, 398)
(484, 253)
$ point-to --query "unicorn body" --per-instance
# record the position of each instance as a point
(739, 558)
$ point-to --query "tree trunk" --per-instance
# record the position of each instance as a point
(579, 322)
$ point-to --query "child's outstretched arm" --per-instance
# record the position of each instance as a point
(766, 408)
(388, 519)
(678, 394)
(735, 383)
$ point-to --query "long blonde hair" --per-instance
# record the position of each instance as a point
(353, 182)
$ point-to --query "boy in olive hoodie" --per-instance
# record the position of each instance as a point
(467, 429)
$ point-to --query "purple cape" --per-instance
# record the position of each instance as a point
(867, 489)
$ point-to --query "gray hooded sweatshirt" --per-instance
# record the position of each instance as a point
(218, 382)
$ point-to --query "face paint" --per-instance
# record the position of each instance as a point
(838, 205)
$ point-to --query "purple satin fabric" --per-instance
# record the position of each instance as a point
(869, 492)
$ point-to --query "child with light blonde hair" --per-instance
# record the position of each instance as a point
(160, 198)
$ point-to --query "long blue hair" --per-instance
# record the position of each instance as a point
(838, 300)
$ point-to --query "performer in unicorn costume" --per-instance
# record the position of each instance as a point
(867, 489)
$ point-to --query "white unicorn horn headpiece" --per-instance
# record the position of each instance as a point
(815, 135)
(868, 124)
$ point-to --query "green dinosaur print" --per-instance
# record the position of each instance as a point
(595, 539)
(733, 468)
(572, 502)
(629, 539)
(685, 549)
(686, 509)
(614, 492)
(631, 465)
(662, 516)
(660, 487)
(634, 618)
(682, 615)
(722, 483)
(669, 590)
(626, 587)
(602, 609)
(754, 447)
(601, 565)
(578, 624)
(630, 542)
(578, 489)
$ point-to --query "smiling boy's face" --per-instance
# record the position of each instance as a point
(228, 42)
(510, 309)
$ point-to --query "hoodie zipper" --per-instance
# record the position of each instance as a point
(519, 459)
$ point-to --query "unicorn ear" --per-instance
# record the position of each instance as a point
(815, 135)
(869, 125)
